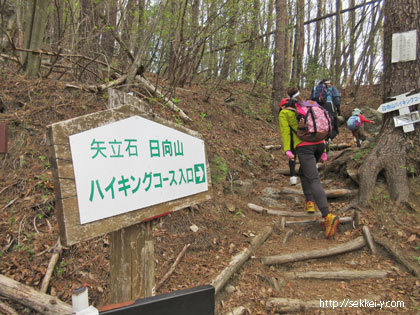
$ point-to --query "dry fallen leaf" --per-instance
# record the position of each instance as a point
(412, 238)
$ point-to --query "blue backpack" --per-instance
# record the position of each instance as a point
(354, 122)
(320, 94)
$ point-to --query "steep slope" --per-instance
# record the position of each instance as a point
(237, 126)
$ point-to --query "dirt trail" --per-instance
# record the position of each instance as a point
(242, 169)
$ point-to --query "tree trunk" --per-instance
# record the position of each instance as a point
(132, 72)
(352, 48)
(267, 43)
(338, 40)
(110, 24)
(318, 28)
(174, 40)
(280, 55)
(36, 22)
(250, 61)
(368, 43)
(299, 43)
(231, 32)
(394, 147)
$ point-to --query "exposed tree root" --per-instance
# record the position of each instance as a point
(389, 155)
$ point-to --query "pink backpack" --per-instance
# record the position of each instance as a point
(314, 122)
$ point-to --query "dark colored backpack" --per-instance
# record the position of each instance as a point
(320, 93)
(314, 122)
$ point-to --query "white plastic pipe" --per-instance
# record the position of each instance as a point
(80, 299)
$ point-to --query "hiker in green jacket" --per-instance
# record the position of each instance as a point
(309, 153)
(292, 163)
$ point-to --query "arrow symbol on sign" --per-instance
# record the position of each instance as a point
(199, 173)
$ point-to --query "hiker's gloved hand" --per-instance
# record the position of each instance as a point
(324, 157)
(290, 155)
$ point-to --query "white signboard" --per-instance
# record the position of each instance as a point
(406, 119)
(404, 46)
(134, 163)
(400, 102)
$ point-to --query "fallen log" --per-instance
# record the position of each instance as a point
(369, 239)
(238, 260)
(339, 146)
(339, 274)
(40, 302)
(318, 253)
(287, 236)
(6, 309)
(278, 284)
(318, 221)
(285, 305)
(273, 147)
(330, 193)
(144, 84)
(172, 269)
(395, 253)
(57, 249)
(283, 171)
(283, 223)
(296, 214)
(156, 91)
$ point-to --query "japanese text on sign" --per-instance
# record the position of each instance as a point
(132, 164)
(400, 103)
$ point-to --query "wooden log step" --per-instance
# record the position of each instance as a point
(318, 253)
(237, 261)
(338, 274)
(286, 305)
(318, 221)
(40, 302)
(331, 193)
(398, 256)
(369, 239)
(296, 214)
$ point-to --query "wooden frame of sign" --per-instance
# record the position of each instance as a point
(71, 231)
(132, 270)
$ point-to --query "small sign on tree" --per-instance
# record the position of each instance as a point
(404, 46)
(402, 103)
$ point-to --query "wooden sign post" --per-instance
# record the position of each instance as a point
(402, 103)
(116, 170)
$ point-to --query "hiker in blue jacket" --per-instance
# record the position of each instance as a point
(334, 96)
(328, 96)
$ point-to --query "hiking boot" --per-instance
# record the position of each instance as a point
(309, 207)
(330, 224)
(293, 180)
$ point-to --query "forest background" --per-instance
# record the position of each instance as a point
(183, 40)
(160, 50)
